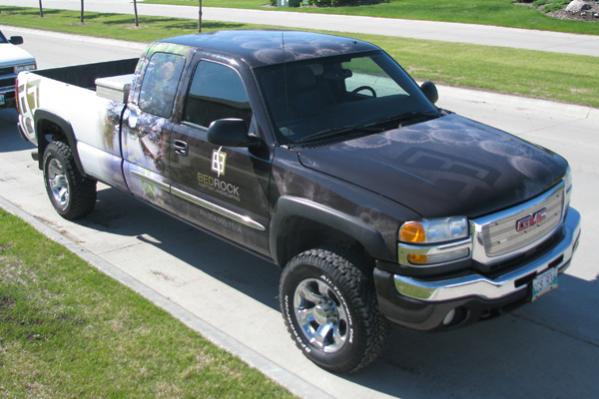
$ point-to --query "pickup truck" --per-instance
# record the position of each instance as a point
(13, 60)
(322, 155)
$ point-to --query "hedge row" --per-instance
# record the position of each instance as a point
(329, 3)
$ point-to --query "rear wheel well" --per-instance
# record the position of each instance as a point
(302, 234)
(47, 132)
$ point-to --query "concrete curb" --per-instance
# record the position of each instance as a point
(292, 382)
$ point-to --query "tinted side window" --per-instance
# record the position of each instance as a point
(160, 83)
(216, 92)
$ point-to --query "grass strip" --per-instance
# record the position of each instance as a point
(69, 331)
(506, 13)
(559, 77)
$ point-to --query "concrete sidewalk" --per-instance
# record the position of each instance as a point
(546, 349)
(449, 32)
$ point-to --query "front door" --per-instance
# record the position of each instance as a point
(222, 189)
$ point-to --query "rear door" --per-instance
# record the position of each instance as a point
(147, 129)
(223, 189)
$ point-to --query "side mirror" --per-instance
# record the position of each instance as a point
(230, 132)
(430, 91)
(16, 40)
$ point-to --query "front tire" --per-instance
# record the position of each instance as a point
(72, 194)
(330, 310)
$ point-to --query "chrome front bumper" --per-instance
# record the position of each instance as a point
(477, 285)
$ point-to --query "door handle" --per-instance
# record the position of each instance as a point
(181, 147)
(131, 118)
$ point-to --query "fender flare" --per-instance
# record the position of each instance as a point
(43, 115)
(290, 206)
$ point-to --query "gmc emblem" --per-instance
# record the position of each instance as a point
(533, 219)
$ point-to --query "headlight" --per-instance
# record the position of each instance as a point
(429, 231)
(433, 241)
(25, 68)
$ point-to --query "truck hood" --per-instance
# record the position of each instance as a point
(11, 55)
(448, 166)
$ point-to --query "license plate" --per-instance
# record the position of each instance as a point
(2, 100)
(544, 283)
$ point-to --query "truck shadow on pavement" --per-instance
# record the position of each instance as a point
(11, 142)
(546, 349)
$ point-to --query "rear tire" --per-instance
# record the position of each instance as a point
(72, 194)
(325, 294)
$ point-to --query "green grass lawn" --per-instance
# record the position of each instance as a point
(69, 331)
(486, 12)
(560, 77)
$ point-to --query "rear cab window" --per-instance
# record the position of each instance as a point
(160, 83)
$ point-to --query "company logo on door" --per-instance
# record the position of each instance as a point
(219, 161)
(218, 185)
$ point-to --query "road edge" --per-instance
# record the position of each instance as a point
(295, 384)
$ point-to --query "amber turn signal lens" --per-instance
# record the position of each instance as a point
(412, 232)
(416, 259)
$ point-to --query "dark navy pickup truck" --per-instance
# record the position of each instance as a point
(321, 154)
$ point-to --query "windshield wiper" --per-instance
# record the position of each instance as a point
(329, 133)
(372, 127)
(413, 116)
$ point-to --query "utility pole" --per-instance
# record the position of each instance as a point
(200, 16)
(41, 9)
(82, 7)
(136, 16)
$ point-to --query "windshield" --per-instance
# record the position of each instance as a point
(314, 98)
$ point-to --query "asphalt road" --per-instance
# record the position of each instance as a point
(450, 32)
(549, 349)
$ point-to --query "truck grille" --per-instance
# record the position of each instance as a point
(501, 237)
(7, 82)
(7, 71)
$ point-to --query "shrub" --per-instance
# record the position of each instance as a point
(330, 3)
(339, 3)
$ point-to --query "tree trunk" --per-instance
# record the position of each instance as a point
(200, 16)
(136, 15)
(82, 11)
(41, 9)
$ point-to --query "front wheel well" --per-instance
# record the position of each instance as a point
(302, 234)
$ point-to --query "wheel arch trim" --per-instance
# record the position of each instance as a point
(288, 207)
(42, 115)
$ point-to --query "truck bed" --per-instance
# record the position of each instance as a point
(85, 76)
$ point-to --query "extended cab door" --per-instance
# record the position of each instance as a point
(147, 128)
(219, 188)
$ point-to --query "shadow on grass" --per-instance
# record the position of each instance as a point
(205, 25)
(27, 12)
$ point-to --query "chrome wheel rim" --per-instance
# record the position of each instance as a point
(58, 183)
(321, 316)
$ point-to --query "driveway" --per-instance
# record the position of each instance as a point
(549, 349)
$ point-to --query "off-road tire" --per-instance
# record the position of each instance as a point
(82, 191)
(345, 273)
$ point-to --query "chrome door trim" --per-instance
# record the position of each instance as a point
(236, 217)
(212, 207)
(162, 185)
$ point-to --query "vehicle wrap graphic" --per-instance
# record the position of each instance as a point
(145, 136)
(29, 101)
